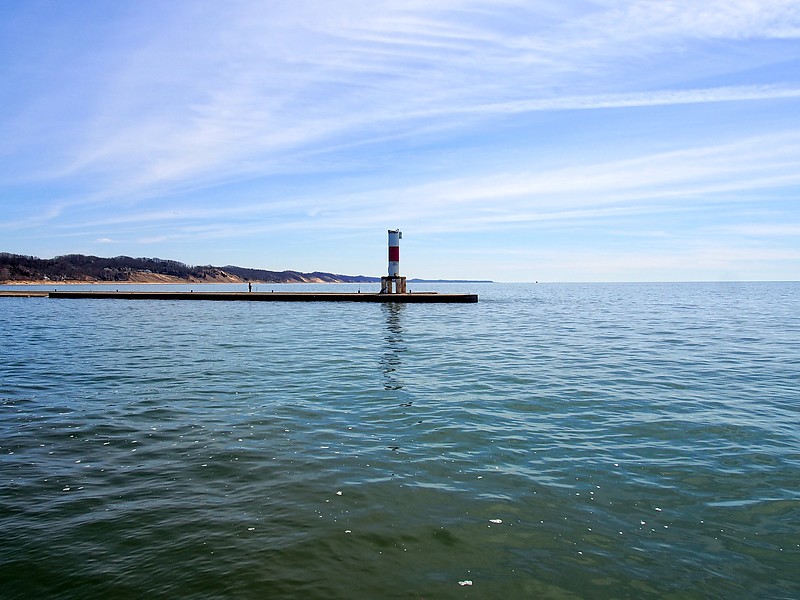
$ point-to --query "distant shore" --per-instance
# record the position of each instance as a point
(152, 278)
(154, 282)
(78, 269)
(76, 282)
(169, 280)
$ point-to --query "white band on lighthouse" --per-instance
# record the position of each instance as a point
(394, 252)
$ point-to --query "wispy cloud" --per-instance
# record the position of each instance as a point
(258, 89)
(208, 122)
(769, 230)
(659, 183)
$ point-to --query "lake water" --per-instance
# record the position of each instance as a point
(551, 441)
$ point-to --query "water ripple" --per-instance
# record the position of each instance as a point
(553, 441)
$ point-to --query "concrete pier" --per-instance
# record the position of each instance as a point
(23, 294)
(418, 298)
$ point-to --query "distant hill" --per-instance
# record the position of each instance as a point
(88, 269)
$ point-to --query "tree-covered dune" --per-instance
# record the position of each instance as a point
(81, 268)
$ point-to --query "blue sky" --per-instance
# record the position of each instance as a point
(513, 140)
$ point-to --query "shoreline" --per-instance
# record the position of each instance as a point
(73, 282)
(40, 282)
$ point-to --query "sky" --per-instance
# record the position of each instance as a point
(511, 140)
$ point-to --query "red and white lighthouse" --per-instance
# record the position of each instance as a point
(395, 235)
(394, 284)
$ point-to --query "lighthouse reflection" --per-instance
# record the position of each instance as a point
(395, 345)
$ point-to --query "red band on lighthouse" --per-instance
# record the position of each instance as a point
(394, 253)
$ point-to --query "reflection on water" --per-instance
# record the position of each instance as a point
(395, 345)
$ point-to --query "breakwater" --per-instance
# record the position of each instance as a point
(419, 298)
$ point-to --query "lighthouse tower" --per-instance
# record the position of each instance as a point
(394, 284)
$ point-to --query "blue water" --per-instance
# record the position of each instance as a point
(551, 441)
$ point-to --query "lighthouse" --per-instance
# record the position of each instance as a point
(395, 235)
(394, 283)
